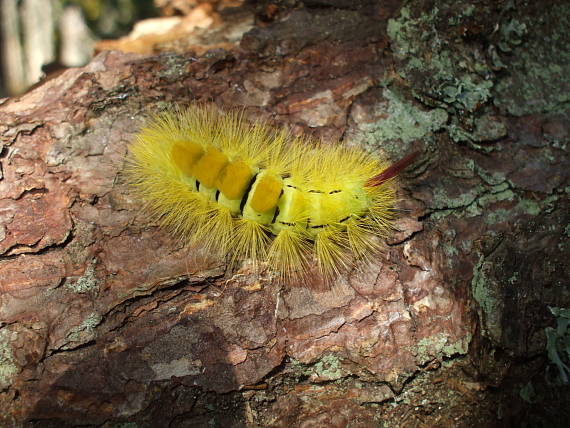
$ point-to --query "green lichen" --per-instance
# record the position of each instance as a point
(477, 200)
(463, 168)
(87, 282)
(8, 367)
(442, 199)
(464, 205)
(486, 294)
(458, 133)
(514, 279)
(489, 128)
(441, 214)
(498, 216)
(477, 129)
(465, 13)
(533, 207)
(173, 66)
(466, 245)
(512, 32)
(466, 93)
(328, 368)
(538, 63)
(450, 251)
(523, 206)
(558, 343)
(404, 121)
(439, 346)
(527, 392)
(501, 188)
(83, 332)
(438, 67)
(485, 196)
(491, 198)
(529, 207)
(472, 210)
(452, 349)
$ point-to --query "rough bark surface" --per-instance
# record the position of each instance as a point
(105, 320)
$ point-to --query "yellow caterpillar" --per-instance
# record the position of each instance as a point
(244, 189)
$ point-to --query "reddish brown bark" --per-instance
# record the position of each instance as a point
(105, 318)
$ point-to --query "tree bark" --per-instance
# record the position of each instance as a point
(106, 319)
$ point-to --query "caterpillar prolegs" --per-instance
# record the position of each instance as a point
(241, 188)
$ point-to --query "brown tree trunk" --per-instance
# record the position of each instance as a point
(106, 319)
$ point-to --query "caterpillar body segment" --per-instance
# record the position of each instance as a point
(242, 188)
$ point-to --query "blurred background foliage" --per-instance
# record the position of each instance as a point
(113, 18)
(38, 37)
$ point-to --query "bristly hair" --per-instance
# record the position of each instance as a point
(288, 201)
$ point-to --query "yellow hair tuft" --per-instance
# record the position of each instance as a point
(241, 188)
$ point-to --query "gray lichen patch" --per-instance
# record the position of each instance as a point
(487, 295)
(8, 367)
(439, 346)
(537, 60)
(327, 368)
(86, 282)
(450, 196)
(440, 68)
(83, 332)
(558, 343)
(515, 276)
(398, 119)
(480, 129)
